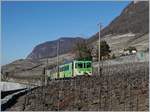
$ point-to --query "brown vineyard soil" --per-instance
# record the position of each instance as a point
(121, 88)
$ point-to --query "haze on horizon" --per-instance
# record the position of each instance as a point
(27, 24)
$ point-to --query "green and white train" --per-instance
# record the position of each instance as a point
(71, 69)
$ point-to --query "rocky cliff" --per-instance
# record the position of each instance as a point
(49, 49)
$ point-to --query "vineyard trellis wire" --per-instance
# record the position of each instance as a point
(117, 92)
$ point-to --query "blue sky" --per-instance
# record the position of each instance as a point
(26, 24)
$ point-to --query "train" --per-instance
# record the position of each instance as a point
(71, 69)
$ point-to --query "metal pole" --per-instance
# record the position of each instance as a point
(59, 95)
(99, 67)
(58, 58)
(46, 73)
(99, 48)
(58, 70)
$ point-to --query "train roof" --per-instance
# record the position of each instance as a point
(67, 62)
(82, 61)
(76, 61)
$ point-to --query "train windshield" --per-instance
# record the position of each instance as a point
(83, 65)
(64, 68)
(79, 65)
(88, 65)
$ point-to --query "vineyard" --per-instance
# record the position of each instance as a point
(122, 87)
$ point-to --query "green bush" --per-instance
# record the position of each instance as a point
(104, 49)
(113, 56)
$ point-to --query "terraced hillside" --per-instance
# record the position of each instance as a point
(133, 19)
(120, 87)
(118, 42)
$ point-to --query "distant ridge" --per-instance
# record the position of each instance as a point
(49, 49)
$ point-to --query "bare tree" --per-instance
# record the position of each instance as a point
(82, 50)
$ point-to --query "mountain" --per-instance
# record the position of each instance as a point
(133, 19)
(130, 28)
(49, 49)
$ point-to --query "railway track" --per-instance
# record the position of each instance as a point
(9, 98)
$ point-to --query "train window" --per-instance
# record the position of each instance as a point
(79, 65)
(61, 69)
(88, 65)
(66, 68)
